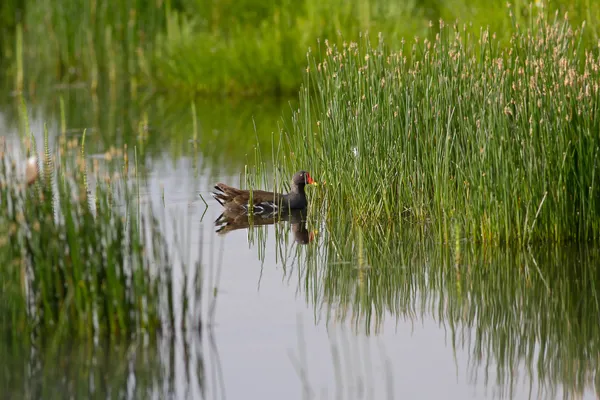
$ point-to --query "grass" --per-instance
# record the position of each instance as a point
(82, 259)
(86, 41)
(256, 49)
(458, 132)
(246, 48)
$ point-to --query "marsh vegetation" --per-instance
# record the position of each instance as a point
(454, 232)
(496, 144)
(237, 48)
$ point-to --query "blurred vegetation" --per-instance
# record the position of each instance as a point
(82, 257)
(218, 137)
(241, 47)
(11, 14)
(239, 51)
(135, 369)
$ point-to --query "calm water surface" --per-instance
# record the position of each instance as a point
(295, 321)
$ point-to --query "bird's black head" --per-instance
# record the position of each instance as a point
(302, 178)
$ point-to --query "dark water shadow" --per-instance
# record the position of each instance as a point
(230, 221)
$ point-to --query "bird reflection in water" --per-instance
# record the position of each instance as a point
(231, 221)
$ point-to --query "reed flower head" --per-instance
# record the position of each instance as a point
(31, 170)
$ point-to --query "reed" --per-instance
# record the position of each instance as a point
(81, 260)
(458, 132)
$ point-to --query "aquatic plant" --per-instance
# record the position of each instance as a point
(81, 257)
(245, 48)
(458, 132)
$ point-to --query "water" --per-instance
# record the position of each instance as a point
(348, 315)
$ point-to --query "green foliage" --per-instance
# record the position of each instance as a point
(86, 40)
(80, 259)
(244, 48)
(10, 13)
(501, 142)
(233, 50)
(493, 14)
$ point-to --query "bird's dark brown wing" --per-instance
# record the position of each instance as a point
(230, 196)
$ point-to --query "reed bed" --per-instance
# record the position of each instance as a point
(497, 143)
(82, 258)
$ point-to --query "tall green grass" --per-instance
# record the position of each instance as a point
(460, 132)
(240, 48)
(81, 258)
(252, 48)
(86, 40)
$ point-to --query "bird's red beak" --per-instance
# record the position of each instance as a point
(310, 180)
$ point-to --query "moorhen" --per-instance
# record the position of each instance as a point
(234, 199)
